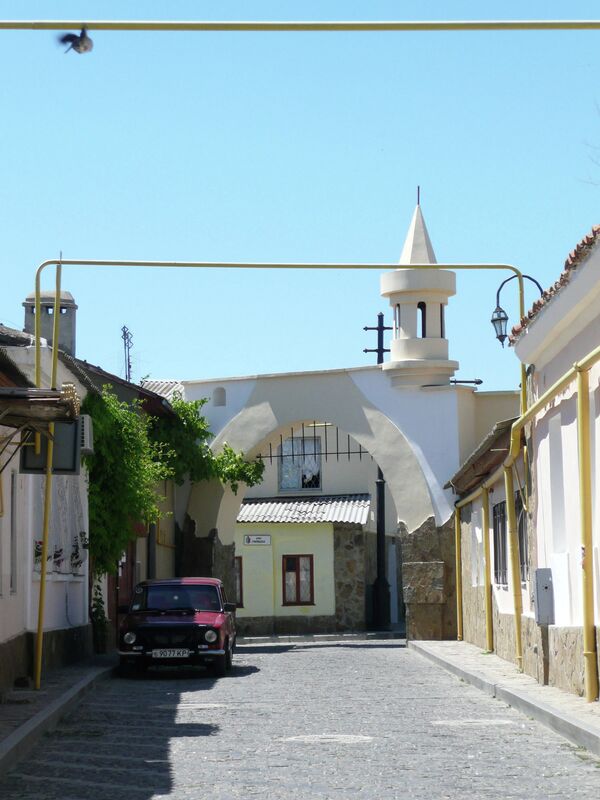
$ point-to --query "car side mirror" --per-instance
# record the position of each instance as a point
(230, 607)
(122, 609)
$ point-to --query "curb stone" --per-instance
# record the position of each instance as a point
(22, 740)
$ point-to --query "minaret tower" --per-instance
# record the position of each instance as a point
(419, 349)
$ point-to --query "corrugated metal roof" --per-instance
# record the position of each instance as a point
(165, 388)
(350, 509)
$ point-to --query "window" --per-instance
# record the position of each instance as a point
(298, 580)
(499, 524)
(397, 321)
(219, 396)
(300, 464)
(422, 315)
(522, 535)
(442, 322)
(237, 574)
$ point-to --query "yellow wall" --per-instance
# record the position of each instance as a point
(262, 568)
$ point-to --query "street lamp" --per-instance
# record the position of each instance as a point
(500, 317)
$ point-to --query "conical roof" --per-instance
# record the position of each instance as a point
(417, 245)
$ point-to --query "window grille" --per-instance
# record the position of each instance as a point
(500, 559)
(300, 464)
(522, 535)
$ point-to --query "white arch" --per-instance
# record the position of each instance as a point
(278, 402)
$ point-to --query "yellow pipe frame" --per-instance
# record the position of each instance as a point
(585, 509)
(513, 544)
(48, 486)
(458, 567)
(59, 263)
(305, 26)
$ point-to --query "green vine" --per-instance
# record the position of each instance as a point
(187, 454)
(133, 452)
(123, 472)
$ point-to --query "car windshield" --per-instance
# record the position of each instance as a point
(176, 598)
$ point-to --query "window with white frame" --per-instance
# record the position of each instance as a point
(500, 557)
(300, 464)
(298, 580)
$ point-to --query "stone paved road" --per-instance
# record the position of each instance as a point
(352, 720)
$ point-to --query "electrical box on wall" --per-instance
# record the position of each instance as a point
(543, 593)
(66, 454)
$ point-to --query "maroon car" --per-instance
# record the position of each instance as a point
(178, 621)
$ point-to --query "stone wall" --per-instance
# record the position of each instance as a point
(350, 575)
(14, 662)
(285, 626)
(429, 585)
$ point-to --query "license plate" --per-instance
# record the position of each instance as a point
(171, 653)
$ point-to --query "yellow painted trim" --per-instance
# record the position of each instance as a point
(515, 577)
(585, 510)
(305, 26)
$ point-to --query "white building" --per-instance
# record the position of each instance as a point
(561, 329)
(405, 414)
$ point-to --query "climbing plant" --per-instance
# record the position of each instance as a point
(133, 451)
(185, 437)
(124, 470)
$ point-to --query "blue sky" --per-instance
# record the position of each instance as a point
(290, 147)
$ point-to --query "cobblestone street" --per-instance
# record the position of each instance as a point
(344, 720)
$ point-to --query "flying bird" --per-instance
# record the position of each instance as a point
(81, 43)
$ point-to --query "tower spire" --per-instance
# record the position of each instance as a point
(417, 245)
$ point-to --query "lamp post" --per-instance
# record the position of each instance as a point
(381, 587)
(499, 316)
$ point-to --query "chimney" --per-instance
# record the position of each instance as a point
(67, 323)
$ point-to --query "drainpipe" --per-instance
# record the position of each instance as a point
(585, 507)
(458, 552)
(513, 542)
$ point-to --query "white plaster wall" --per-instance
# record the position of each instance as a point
(13, 604)
(564, 332)
(237, 393)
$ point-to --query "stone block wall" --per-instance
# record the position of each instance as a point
(285, 626)
(429, 581)
(350, 575)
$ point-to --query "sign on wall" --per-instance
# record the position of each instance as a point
(257, 539)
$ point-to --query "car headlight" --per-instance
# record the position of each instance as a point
(129, 637)
(211, 636)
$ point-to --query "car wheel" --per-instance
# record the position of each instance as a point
(219, 666)
(228, 657)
